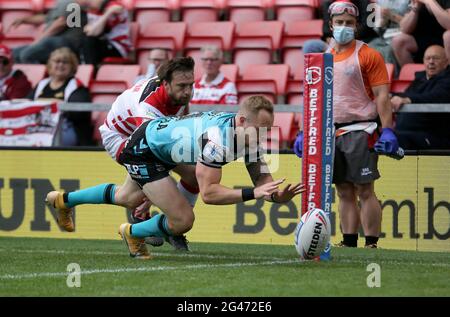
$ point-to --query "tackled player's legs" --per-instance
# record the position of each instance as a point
(178, 216)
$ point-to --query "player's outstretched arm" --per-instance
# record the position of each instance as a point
(260, 175)
(214, 193)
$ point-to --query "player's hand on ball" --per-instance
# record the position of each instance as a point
(267, 189)
(289, 192)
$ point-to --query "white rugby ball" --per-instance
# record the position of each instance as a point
(312, 234)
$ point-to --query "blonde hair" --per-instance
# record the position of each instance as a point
(65, 52)
(254, 104)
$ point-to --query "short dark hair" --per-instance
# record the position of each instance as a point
(180, 64)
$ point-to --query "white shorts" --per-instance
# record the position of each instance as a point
(112, 140)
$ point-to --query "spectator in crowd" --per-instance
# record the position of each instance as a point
(63, 86)
(392, 12)
(56, 34)
(213, 87)
(428, 23)
(426, 130)
(363, 31)
(107, 32)
(13, 83)
(156, 57)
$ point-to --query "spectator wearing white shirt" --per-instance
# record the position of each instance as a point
(213, 87)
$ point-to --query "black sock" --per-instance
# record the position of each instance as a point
(371, 240)
(351, 240)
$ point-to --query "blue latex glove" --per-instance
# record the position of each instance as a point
(298, 144)
(387, 143)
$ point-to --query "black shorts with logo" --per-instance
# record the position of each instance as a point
(141, 164)
(354, 161)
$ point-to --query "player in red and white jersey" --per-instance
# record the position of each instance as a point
(213, 87)
(108, 31)
(167, 94)
(146, 100)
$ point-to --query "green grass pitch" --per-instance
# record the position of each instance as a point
(38, 267)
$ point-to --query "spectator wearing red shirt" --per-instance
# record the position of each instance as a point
(13, 83)
(213, 87)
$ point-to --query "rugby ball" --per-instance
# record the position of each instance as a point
(312, 234)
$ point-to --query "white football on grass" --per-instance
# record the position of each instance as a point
(312, 234)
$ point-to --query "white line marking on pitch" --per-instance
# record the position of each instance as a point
(143, 269)
(167, 254)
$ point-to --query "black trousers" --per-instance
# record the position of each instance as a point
(95, 49)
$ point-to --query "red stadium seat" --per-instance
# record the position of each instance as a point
(169, 36)
(245, 57)
(266, 35)
(146, 17)
(295, 10)
(264, 79)
(29, 5)
(113, 79)
(22, 35)
(295, 59)
(298, 32)
(49, 4)
(85, 73)
(259, 39)
(34, 72)
(211, 33)
(156, 4)
(196, 15)
(230, 71)
(285, 121)
(196, 55)
(407, 74)
(295, 99)
(243, 15)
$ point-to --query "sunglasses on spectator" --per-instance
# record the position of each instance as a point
(5, 62)
(337, 8)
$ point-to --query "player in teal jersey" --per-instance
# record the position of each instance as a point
(209, 140)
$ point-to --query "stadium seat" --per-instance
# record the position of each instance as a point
(146, 17)
(168, 35)
(298, 32)
(211, 33)
(264, 79)
(246, 57)
(22, 35)
(49, 4)
(406, 76)
(34, 72)
(243, 15)
(156, 4)
(85, 74)
(298, 121)
(266, 35)
(230, 71)
(295, 10)
(29, 5)
(259, 40)
(285, 121)
(295, 59)
(113, 79)
(196, 15)
(196, 55)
